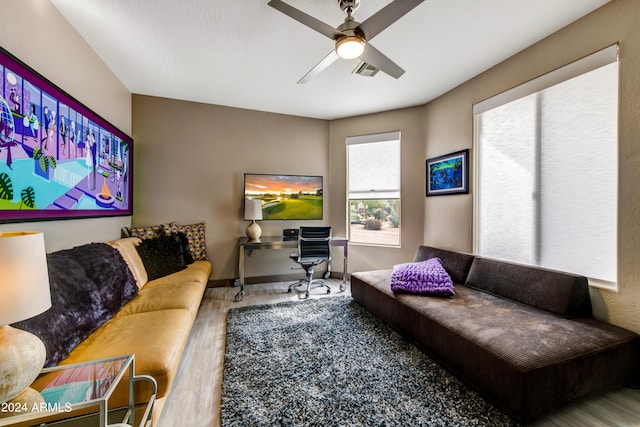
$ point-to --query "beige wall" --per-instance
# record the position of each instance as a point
(410, 122)
(448, 220)
(190, 160)
(37, 34)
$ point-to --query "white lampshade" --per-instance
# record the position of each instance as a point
(24, 281)
(252, 209)
(350, 47)
(24, 293)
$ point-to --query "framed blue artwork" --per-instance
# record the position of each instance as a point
(58, 159)
(448, 174)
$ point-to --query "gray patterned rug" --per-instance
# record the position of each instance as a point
(329, 362)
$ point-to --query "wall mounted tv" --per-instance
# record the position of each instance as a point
(285, 197)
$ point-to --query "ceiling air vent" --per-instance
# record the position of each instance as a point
(365, 69)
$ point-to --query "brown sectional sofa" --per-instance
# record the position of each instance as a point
(523, 336)
(154, 324)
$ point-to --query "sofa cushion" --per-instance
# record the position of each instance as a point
(423, 277)
(183, 289)
(157, 339)
(127, 248)
(199, 271)
(89, 284)
(165, 295)
(560, 293)
(457, 264)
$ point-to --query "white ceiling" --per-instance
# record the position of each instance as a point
(243, 53)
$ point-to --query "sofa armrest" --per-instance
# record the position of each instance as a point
(127, 248)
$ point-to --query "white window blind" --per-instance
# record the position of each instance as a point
(547, 170)
(373, 174)
(374, 166)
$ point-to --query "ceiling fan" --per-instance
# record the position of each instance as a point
(351, 37)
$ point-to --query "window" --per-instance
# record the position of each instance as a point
(373, 173)
(547, 171)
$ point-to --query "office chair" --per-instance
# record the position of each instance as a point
(314, 248)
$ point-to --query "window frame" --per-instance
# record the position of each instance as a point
(394, 136)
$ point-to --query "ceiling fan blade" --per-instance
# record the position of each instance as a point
(387, 16)
(373, 56)
(305, 19)
(326, 61)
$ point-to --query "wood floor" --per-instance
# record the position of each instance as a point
(194, 400)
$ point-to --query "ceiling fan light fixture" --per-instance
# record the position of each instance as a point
(350, 47)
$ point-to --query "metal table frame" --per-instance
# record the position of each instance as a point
(125, 364)
(280, 242)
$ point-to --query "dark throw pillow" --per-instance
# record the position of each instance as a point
(186, 251)
(195, 235)
(425, 278)
(161, 256)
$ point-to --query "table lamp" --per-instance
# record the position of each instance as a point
(253, 212)
(24, 293)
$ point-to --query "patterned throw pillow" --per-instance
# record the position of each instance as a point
(149, 231)
(196, 236)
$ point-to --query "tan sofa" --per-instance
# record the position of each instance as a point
(154, 325)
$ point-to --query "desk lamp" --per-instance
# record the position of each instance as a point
(253, 212)
(24, 293)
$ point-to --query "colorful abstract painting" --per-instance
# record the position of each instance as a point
(448, 174)
(58, 159)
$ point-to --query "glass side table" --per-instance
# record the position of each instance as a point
(63, 391)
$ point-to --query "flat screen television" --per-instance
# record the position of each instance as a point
(285, 197)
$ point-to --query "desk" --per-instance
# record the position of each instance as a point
(280, 242)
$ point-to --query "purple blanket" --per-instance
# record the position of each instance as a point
(425, 277)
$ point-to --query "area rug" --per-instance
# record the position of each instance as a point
(329, 362)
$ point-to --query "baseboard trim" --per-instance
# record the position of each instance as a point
(221, 283)
(273, 278)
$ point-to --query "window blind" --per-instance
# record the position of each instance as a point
(547, 170)
(374, 166)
